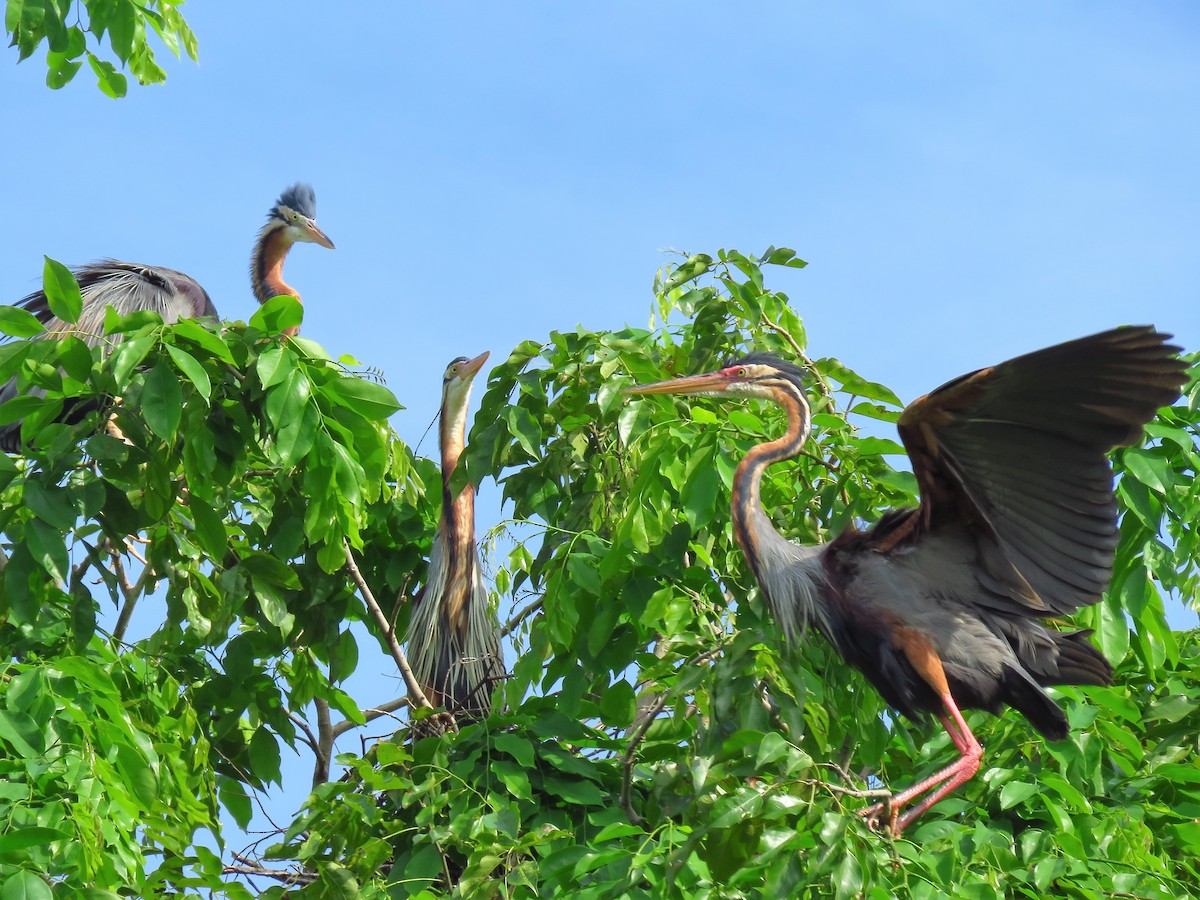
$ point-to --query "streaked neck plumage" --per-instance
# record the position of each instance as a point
(789, 575)
(457, 525)
(266, 266)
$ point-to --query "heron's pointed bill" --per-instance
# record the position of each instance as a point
(315, 235)
(710, 383)
(472, 366)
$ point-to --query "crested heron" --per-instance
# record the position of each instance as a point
(131, 287)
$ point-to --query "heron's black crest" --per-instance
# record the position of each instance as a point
(788, 370)
(300, 197)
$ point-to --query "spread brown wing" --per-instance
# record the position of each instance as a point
(1018, 452)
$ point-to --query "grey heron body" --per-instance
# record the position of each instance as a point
(453, 634)
(939, 606)
(132, 287)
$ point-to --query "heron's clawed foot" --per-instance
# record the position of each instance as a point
(882, 816)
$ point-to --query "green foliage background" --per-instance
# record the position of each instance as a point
(655, 738)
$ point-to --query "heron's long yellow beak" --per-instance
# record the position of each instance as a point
(315, 235)
(472, 366)
(710, 383)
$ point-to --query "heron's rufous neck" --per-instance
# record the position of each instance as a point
(459, 511)
(271, 251)
(747, 500)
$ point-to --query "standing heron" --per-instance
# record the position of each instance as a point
(939, 605)
(131, 287)
(453, 634)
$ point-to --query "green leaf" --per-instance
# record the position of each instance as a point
(191, 367)
(235, 799)
(111, 82)
(162, 401)
(618, 704)
(1015, 792)
(138, 775)
(62, 291)
(336, 883)
(514, 778)
(33, 836)
(51, 505)
(368, 399)
(583, 792)
(278, 314)
(130, 354)
(19, 323)
(192, 331)
(48, 548)
(519, 749)
(264, 756)
(25, 885)
(21, 733)
(264, 567)
(274, 364)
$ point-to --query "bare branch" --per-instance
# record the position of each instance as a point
(518, 617)
(647, 718)
(372, 714)
(309, 738)
(248, 866)
(822, 384)
(389, 634)
(627, 760)
(324, 746)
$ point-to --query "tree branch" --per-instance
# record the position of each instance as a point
(324, 746)
(389, 634)
(647, 719)
(371, 714)
(248, 866)
(518, 617)
(822, 384)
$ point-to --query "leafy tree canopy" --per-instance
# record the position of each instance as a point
(66, 24)
(655, 738)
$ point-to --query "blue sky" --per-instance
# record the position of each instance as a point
(967, 181)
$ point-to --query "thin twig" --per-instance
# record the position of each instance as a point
(518, 617)
(822, 384)
(371, 715)
(308, 738)
(248, 866)
(389, 634)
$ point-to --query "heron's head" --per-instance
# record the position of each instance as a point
(456, 383)
(755, 375)
(295, 212)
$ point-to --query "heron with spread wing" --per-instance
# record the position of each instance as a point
(131, 287)
(939, 606)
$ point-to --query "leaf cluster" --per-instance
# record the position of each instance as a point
(655, 737)
(65, 25)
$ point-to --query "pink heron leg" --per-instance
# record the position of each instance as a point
(951, 777)
(925, 660)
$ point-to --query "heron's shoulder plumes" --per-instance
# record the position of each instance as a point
(299, 197)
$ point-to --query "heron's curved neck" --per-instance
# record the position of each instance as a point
(781, 568)
(266, 265)
(749, 520)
